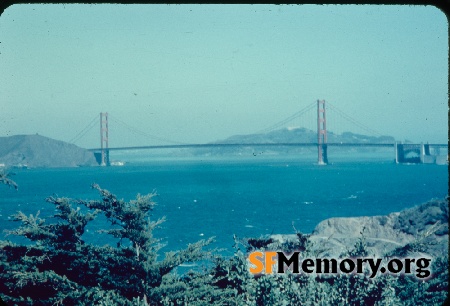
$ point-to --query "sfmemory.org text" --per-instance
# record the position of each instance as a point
(264, 262)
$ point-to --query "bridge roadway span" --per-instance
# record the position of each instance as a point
(295, 144)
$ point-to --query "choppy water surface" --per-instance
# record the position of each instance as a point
(201, 199)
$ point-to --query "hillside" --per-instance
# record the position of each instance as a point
(291, 135)
(37, 151)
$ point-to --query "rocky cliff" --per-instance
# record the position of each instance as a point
(39, 151)
(419, 230)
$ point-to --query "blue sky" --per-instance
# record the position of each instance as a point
(198, 73)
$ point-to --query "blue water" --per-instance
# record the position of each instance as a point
(201, 199)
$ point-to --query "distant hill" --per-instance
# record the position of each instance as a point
(293, 135)
(39, 151)
(290, 135)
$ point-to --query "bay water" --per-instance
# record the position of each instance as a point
(248, 198)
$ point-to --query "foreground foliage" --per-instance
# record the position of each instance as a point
(59, 268)
(5, 179)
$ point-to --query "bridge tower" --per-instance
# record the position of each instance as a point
(321, 133)
(104, 139)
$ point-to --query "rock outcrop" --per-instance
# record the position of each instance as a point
(420, 230)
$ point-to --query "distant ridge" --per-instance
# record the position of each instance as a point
(303, 135)
(290, 135)
(37, 151)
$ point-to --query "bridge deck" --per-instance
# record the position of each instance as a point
(212, 145)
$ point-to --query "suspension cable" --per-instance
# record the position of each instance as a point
(288, 119)
(141, 133)
(354, 121)
(84, 131)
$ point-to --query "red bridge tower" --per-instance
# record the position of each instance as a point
(104, 139)
(321, 133)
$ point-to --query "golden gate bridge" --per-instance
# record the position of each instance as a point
(404, 152)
